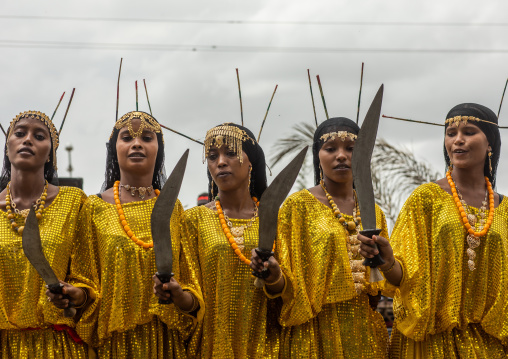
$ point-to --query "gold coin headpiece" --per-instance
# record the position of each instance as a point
(339, 134)
(464, 119)
(147, 123)
(36, 115)
(228, 135)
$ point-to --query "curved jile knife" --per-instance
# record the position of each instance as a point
(32, 247)
(362, 154)
(269, 206)
(160, 220)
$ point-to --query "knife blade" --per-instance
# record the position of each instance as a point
(362, 155)
(160, 222)
(32, 246)
(269, 206)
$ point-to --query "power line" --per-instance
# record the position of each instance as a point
(234, 48)
(258, 22)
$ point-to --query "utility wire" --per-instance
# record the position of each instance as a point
(234, 48)
(258, 22)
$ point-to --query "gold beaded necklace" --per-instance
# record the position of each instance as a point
(353, 243)
(38, 206)
(123, 220)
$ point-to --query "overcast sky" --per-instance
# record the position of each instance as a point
(430, 55)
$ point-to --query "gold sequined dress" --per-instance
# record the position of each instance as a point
(323, 315)
(30, 326)
(129, 322)
(239, 321)
(442, 309)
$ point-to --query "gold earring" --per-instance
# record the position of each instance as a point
(47, 160)
(490, 162)
(250, 171)
(320, 173)
(211, 189)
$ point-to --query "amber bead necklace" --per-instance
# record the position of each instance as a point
(10, 205)
(123, 220)
(469, 220)
(235, 239)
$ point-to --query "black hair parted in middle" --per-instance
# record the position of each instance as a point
(113, 169)
(254, 152)
(333, 124)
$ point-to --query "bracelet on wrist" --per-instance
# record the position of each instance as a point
(195, 304)
(276, 281)
(85, 292)
(391, 267)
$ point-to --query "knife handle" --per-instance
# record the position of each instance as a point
(165, 278)
(69, 312)
(264, 255)
(376, 260)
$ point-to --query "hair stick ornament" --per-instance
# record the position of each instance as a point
(312, 97)
(59, 102)
(359, 96)
(136, 84)
(502, 97)
(240, 94)
(118, 89)
(3, 130)
(66, 111)
(266, 114)
(147, 99)
(181, 134)
(322, 96)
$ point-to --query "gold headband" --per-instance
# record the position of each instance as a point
(339, 134)
(228, 135)
(36, 115)
(147, 123)
(458, 119)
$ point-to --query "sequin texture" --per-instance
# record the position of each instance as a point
(443, 309)
(322, 314)
(239, 320)
(23, 302)
(129, 321)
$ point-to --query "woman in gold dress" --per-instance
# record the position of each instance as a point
(129, 321)
(223, 232)
(448, 252)
(31, 326)
(317, 269)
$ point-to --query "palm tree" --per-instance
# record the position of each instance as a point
(395, 172)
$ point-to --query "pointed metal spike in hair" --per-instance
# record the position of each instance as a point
(312, 97)
(502, 97)
(118, 89)
(415, 121)
(136, 95)
(2, 127)
(147, 99)
(322, 96)
(266, 114)
(181, 134)
(59, 102)
(240, 94)
(359, 96)
(66, 111)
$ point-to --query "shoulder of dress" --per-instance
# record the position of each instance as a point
(69, 191)
(298, 197)
(196, 212)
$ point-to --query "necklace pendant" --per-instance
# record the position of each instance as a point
(471, 265)
(473, 241)
(472, 219)
(142, 191)
(133, 191)
(471, 253)
(240, 242)
(237, 231)
(127, 187)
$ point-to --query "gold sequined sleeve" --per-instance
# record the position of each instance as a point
(438, 291)
(311, 248)
(87, 262)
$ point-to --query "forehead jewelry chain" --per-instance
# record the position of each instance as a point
(10, 205)
(469, 220)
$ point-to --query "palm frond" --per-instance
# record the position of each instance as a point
(301, 136)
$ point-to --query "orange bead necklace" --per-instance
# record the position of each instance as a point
(123, 220)
(473, 237)
(227, 231)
